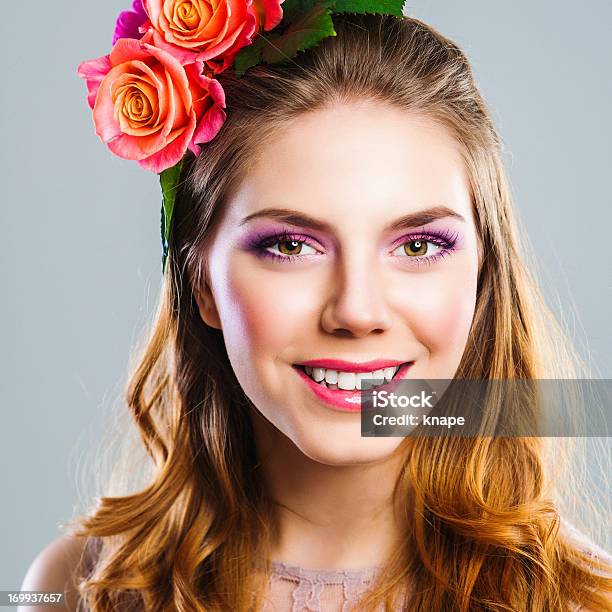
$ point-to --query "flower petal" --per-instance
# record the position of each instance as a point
(127, 49)
(136, 147)
(94, 71)
(274, 13)
(152, 9)
(268, 13)
(208, 128)
(171, 154)
(129, 22)
(107, 127)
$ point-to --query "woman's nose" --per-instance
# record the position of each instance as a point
(356, 304)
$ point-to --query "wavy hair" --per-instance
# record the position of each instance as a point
(481, 527)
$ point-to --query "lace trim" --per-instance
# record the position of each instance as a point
(325, 576)
(310, 584)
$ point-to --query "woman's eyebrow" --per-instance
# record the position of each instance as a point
(289, 216)
(421, 217)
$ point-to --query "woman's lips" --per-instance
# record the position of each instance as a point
(348, 401)
(351, 366)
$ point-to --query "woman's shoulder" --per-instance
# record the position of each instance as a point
(54, 569)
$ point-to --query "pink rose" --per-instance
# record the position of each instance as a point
(150, 108)
(267, 12)
(129, 22)
(213, 29)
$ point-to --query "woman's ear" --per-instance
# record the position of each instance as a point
(206, 305)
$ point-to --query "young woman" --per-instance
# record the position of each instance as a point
(352, 216)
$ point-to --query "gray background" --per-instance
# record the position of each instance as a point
(80, 229)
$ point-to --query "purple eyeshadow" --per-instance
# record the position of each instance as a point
(264, 237)
(446, 238)
(260, 239)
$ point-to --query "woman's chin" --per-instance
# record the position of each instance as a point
(348, 450)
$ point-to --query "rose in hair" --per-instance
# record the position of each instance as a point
(130, 23)
(267, 12)
(213, 29)
(149, 107)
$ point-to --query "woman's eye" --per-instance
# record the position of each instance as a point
(417, 248)
(291, 247)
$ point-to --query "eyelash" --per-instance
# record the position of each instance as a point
(444, 239)
(261, 243)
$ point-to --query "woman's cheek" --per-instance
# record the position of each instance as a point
(439, 314)
(264, 310)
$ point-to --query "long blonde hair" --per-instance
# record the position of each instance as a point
(481, 530)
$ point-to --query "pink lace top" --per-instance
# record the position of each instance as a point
(297, 589)
(290, 588)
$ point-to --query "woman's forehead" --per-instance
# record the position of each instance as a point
(372, 158)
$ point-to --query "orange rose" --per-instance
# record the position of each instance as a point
(150, 108)
(213, 29)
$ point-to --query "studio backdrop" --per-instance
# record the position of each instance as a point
(81, 258)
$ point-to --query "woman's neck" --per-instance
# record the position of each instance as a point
(329, 517)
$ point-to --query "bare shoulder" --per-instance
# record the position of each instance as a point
(54, 570)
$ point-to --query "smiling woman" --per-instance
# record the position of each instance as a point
(375, 271)
(351, 220)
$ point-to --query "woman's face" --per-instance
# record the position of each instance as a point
(352, 240)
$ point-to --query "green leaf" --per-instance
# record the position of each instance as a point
(248, 56)
(306, 32)
(304, 25)
(383, 7)
(168, 179)
(293, 9)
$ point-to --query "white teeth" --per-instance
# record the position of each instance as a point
(346, 381)
(349, 381)
(318, 374)
(361, 379)
(390, 372)
(331, 377)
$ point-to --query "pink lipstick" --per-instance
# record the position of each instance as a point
(348, 401)
(351, 366)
